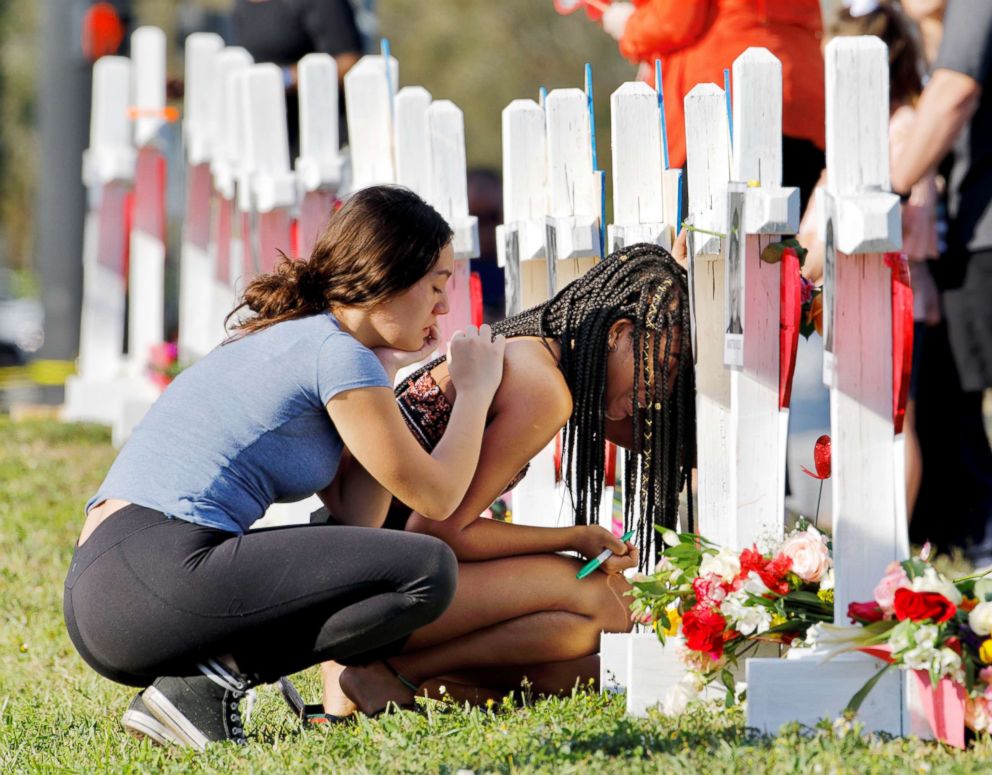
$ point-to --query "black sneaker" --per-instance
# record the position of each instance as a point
(140, 723)
(200, 709)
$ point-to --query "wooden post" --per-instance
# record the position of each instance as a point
(575, 190)
(520, 239)
(196, 271)
(368, 93)
(271, 183)
(708, 160)
(638, 170)
(449, 196)
(108, 169)
(225, 161)
(319, 167)
(760, 423)
(146, 321)
(860, 221)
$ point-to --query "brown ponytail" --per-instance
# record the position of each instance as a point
(382, 241)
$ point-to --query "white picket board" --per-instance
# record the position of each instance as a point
(413, 140)
(520, 239)
(319, 165)
(708, 162)
(92, 393)
(869, 516)
(574, 189)
(148, 83)
(708, 156)
(266, 139)
(202, 49)
(368, 93)
(223, 127)
(638, 169)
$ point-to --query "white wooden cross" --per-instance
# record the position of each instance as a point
(320, 166)
(369, 87)
(93, 394)
(449, 196)
(861, 220)
(520, 239)
(146, 272)
(639, 213)
(227, 232)
(197, 333)
(759, 425)
(146, 314)
(271, 183)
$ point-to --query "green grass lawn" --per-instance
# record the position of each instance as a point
(57, 715)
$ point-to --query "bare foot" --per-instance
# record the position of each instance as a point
(336, 702)
(372, 687)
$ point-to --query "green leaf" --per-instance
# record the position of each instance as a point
(772, 253)
(864, 691)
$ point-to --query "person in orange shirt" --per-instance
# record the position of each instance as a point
(697, 40)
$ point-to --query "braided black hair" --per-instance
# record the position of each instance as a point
(643, 284)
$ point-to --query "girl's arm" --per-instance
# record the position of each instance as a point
(532, 406)
(372, 428)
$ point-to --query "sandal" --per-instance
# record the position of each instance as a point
(307, 713)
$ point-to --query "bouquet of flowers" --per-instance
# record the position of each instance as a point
(724, 602)
(920, 620)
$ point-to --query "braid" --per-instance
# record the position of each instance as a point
(644, 284)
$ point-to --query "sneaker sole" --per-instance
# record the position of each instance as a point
(173, 719)
(143, 725)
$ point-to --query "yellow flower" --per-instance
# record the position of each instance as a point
(674, 620)
(985, 652)
(826, 595)
(778, 619)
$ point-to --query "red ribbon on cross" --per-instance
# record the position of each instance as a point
(790, 321)
(902, 335)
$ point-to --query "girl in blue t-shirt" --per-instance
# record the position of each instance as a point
(168, 591)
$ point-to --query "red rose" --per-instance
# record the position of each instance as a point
(865, 613)
(703, 629)
(774, 574)
(918, 606)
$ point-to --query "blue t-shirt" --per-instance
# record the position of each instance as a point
(245, 427)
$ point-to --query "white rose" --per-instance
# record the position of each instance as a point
(931, 581)
(724, 564)
(809, 554)
(980, 619)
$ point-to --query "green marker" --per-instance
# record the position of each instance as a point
(602, 557)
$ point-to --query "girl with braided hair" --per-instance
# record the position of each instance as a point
(607, 359)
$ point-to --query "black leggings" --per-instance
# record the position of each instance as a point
(148, 596)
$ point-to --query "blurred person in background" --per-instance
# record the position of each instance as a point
(954, 116)
(284, 31)
(696, 41)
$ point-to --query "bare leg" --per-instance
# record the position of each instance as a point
(514, 612)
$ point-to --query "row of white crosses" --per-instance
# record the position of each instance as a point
(741, 427)
(859, 222)
(242, 195)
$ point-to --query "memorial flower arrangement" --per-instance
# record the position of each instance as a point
(941, 629)
(725, 602)
(163, 364)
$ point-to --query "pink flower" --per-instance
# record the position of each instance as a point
(809, 554)
(978, 714)
(895, 578)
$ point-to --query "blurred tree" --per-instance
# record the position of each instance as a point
(18, 139)
(482, 55)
